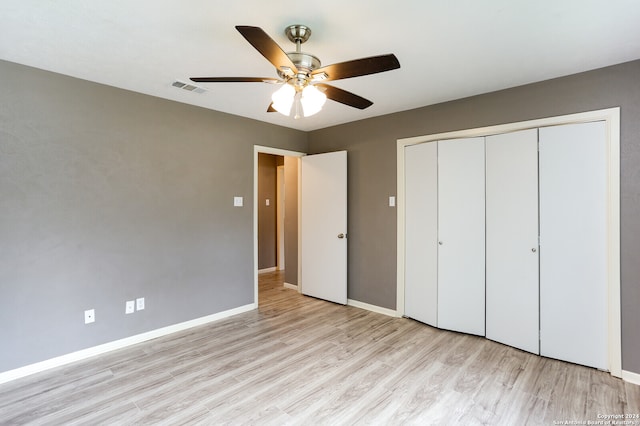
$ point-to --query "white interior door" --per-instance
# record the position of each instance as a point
(461, 232)
(421, 232)
(324, 226)
(512, 239)
(573, 243)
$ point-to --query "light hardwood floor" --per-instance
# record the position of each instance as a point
(298, 360)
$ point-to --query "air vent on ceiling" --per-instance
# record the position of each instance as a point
(188, 87)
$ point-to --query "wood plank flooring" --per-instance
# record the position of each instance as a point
(299, 360)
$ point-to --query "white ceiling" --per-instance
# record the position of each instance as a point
(447, 49)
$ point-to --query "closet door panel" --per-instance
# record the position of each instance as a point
(512, 239)
(573, 243)
(461, 231)
(421, 232)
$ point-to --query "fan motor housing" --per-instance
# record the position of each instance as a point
(304, 61)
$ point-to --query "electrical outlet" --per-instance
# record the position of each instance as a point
(89, 316)
(129, 307)
(140, 303)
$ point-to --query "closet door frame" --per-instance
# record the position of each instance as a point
(611, 117)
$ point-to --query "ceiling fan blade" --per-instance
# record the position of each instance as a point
(345, 97)
(267, 47)
(234, 79)
(358, 67)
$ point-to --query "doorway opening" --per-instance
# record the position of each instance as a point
(276, 216)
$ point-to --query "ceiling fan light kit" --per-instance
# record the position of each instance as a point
(300, 74)
(312, 100)
(282, 99)
(305, 103)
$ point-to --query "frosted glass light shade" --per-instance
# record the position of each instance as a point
(283, 99)
(309, 102)
(312, 100)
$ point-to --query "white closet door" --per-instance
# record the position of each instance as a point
(512, 239)
(421, 232)
(461, 230)
(573, 249)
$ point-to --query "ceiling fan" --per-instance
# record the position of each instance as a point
(301, 75)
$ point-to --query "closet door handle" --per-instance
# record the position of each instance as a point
(440, 243)
(534, 249)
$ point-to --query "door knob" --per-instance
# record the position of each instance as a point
(534, 250)
(341, 235)
(440, 243)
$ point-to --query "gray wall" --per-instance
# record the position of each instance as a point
(372, 173)
(291, 220)
(267, 241)
(108, 195)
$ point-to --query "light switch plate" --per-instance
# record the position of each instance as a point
(89, 316)
(392, 201)
(267, 202)
(139, 303)
(237, 201)
(129, 307)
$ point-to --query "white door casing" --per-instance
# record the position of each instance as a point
(324, 226)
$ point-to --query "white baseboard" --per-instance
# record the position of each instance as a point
(291, 286)
(117, 344)
(630, 377)
(265, 270)
(372, 308)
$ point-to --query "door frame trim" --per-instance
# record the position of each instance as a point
(258, 149)
(612, 118)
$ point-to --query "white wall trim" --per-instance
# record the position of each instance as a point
(612, 117)
(299, 178)
(372, 308)
(630, 377)
(613, 223)
(265, 270)
(290, 286)
(118, 344)
(274, 151)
